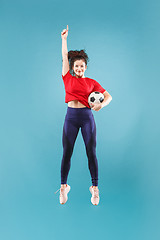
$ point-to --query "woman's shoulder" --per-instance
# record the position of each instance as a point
(67, 75)
(90, 79)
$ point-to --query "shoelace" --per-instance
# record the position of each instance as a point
(96, 193)
(57, 190)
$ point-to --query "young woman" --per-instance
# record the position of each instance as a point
(79, 115)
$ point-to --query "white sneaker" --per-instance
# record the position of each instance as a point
(63, 194)
(95, 195)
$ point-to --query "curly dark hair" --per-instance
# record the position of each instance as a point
(77, 55)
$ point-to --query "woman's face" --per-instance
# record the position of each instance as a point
(79, 68)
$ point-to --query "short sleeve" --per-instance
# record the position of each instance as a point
(98, 87)
(66, 76)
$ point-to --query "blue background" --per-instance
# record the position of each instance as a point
(122, 41)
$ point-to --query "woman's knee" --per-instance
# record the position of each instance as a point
(67, 151)
(91, 151)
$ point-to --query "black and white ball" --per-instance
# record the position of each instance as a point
(95, 97)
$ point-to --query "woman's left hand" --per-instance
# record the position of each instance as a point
(96, 106)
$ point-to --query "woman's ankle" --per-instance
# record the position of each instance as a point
(63, 185)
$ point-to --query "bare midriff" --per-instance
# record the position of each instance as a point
(75, 104)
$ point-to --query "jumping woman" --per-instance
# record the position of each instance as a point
(79, 115)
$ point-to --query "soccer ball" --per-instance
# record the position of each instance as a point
(95, 97)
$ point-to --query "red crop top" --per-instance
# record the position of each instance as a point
(80, 88)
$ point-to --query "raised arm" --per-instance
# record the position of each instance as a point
(65, 64)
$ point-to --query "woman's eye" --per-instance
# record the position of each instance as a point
(77, 66)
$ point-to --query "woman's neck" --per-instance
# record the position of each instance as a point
(79, 77)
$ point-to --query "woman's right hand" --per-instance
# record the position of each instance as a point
(64, 33)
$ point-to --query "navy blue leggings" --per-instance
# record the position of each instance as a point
(75, 119)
